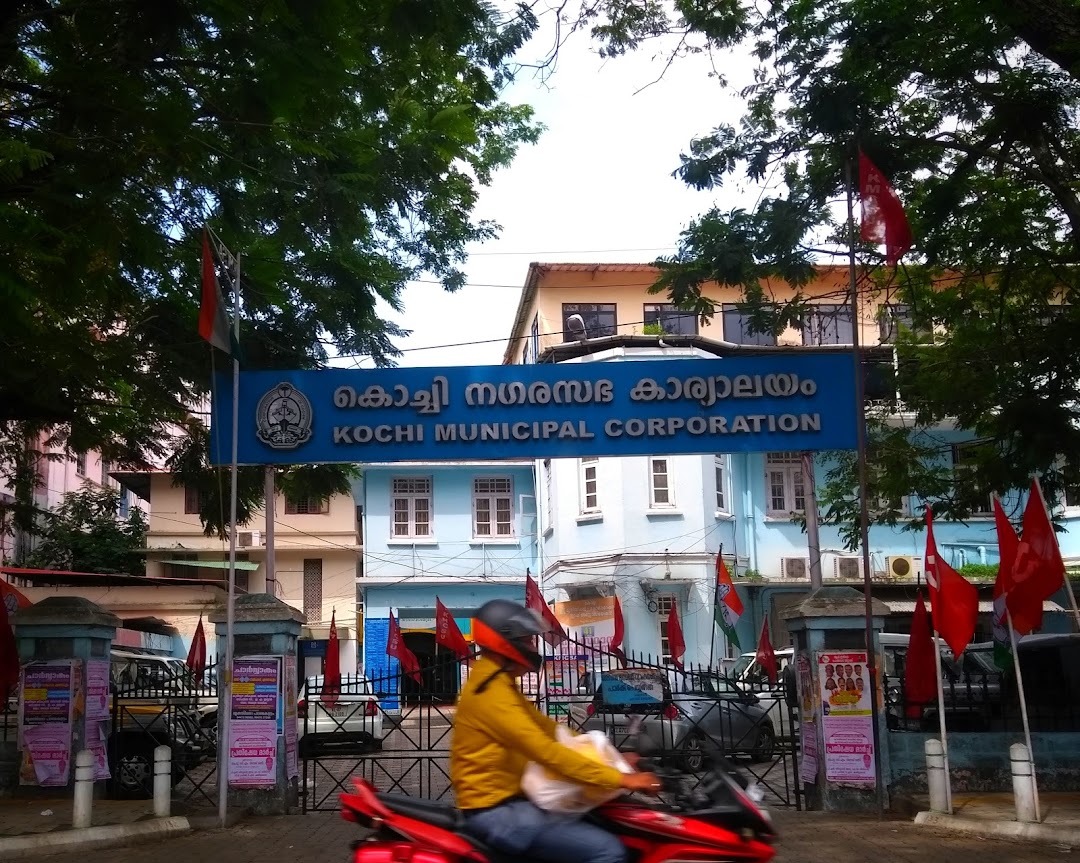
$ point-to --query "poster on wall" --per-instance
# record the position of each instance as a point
(808, 752)
(97, 715)
(45, 722)
(292, 767)
(254, 704)
(587, 621)
(848, 729)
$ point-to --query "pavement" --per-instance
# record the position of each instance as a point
(995, 815)
(804, 836)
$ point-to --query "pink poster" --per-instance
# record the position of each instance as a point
(97, 690)
(96, 742)
(50, 752)
(848, 728)
(253, 752)
(45, 708)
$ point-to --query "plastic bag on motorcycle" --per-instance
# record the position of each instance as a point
(554, 794)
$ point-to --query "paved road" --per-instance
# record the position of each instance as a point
(324, 838)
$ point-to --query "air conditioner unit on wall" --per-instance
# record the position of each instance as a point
(794, 567)
(248, 538)
(847, 568)
(902, 567)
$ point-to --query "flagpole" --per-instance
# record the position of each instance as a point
(1057, 545)
(715, 598)
(1024, 714)
(864, 510)
(941, 721)
(225, 720)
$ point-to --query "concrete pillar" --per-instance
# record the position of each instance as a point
(82, 805)
(837, 745)
(265, 635)
(1023, 777)
(936, 778)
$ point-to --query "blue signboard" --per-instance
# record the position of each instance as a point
(789, 401)
(631, 686)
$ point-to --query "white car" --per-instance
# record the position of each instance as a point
(353, 725)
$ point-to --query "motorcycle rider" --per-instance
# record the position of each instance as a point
(497, 732)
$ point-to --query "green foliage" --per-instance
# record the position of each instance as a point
(970, 108)
(337, 145)
(85, 535)
(653, 330)
(751, 575)
(979, 571)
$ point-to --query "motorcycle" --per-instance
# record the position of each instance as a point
(716, 818)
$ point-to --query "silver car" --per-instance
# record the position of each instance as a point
(352, 725)
(687, 715)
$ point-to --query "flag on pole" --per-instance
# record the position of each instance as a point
(727, 607)
(1007, 545)
(884, 221)
(396, 647)
(1038, 571)
(766, 656)
(676, 643)
(9, 651)
(954, 601)
(331, 689)
(213, 319)
(615, 646)
(920, 669)
(447, 632)
(196, 658)
(535, 600)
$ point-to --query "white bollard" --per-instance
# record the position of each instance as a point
(83, 803)
(936, 779)
(162, 781)
(1023, 776)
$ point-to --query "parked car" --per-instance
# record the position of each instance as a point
(352, 725)
(688, 716)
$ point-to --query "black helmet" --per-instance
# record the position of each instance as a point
(509, 630)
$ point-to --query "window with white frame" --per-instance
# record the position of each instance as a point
(967, 491)
(664, 604)
(660, 492)
(549, 496)
(721, 473)
(411, 505)
(80, 463)
(493, 507)
(589, 485)
(534, 338)
(784, 483)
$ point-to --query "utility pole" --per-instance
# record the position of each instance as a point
(813, 539)
(270, 507)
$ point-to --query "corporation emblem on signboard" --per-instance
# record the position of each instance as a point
(283, 417)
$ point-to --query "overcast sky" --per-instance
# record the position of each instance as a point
(599, 179)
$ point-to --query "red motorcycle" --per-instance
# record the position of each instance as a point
(717, 818)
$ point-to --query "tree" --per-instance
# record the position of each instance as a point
(337, 145)
(85, 535)
(971, 109)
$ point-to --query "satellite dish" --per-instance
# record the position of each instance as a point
(575, 326)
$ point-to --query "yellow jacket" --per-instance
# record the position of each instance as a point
(497, 732)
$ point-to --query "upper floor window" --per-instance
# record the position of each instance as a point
(670, 320)
(493, 507)
(411, 505)
(967, 490)
(307, 505)
(106, 468)
(737, 327)
(660, 493)
(549, 496)
(895, 317)
(194, 501)
(589, 486)
(664, 604)
(80, 463)
(720, 473)
(124, 507)
(827, 324)
(786, 486)
(534, 338)
(599, 319)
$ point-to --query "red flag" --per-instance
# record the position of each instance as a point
(331, 689)
(196, 657)
(1007, 546)
(615, 647)
(213, 321)
(954, 601)
(766, 656)
(9, 653)
(920, 668)
(395, 647)
(447, 633)
(535, 600)
(676, 644)
(883, 217)
(1038, 572)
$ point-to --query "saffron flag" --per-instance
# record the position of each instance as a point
(396, 647)
(556, 635)
(196, 658)
(920, 667)
(676, 644)
(331, 689)
(766, 656)
(213, 321)
(954, 601)
(1007, 545)
(1038, 572)
(447, 632)
(727, 606)
(883, 219)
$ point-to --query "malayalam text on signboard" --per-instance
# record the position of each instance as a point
(790, 401)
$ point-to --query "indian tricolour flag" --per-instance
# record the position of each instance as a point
(728, 608)
(213, 320)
